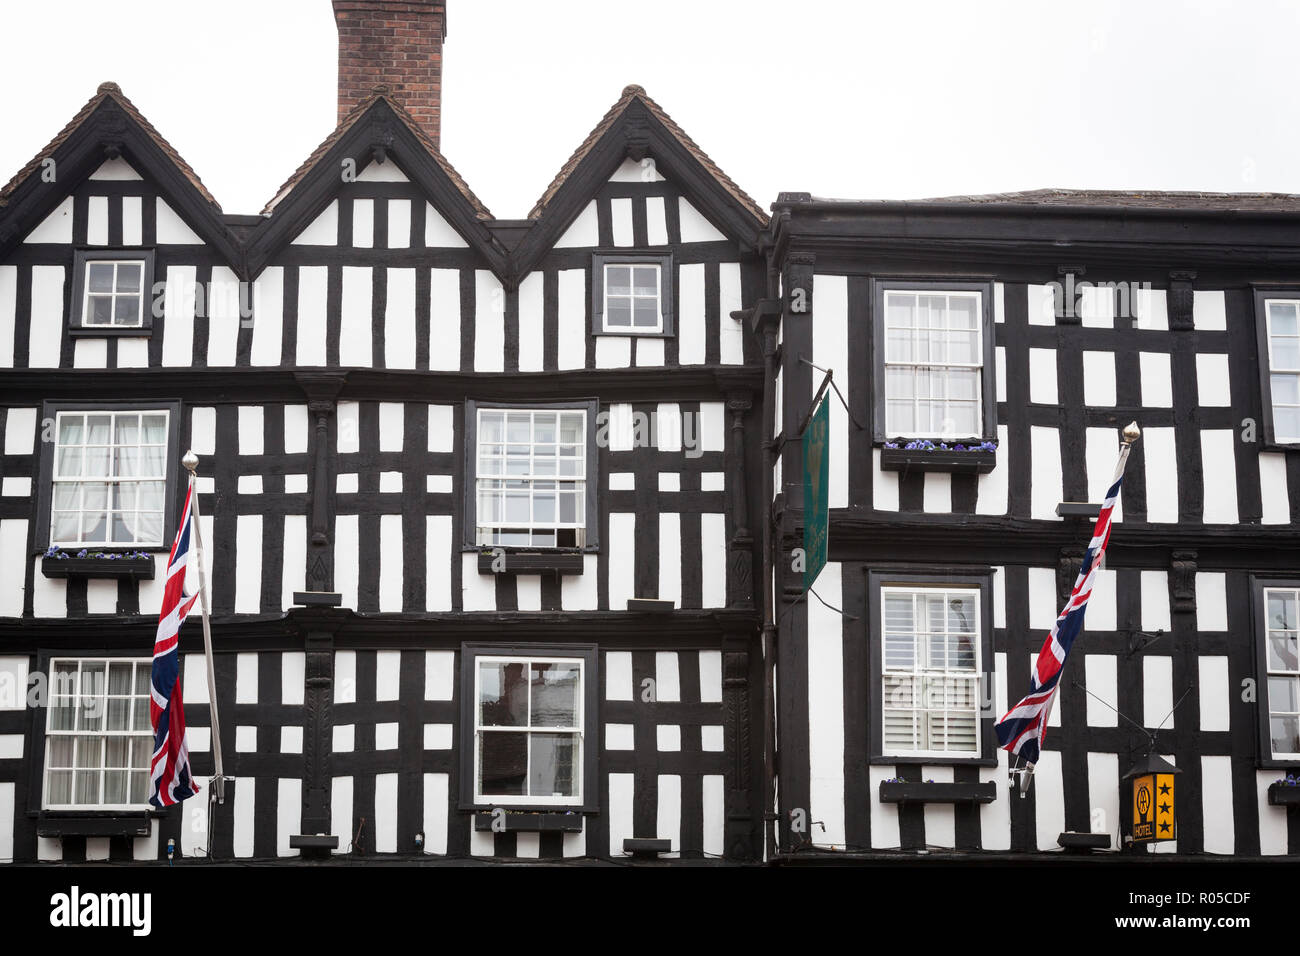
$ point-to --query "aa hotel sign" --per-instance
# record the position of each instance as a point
(1153, 800)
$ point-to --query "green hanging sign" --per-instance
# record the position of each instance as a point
(816, 475)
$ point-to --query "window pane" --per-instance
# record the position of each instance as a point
(99, 429)
(126, 311)
(1283, 695)
(1282, 650)
(544, 427)
(1285, 353)
(1282, 610)
(646, 314)
(1286, 422)
(618, 313)
(87, 787)
(618, 280)
(139, 787)
(491, 427)
(1285, 734)
(1282, 318)
(519, 428)
(962, 312)
(119, 715)
(90, 752)
(646, 280)
(900, 311)
(1286, 389)
(553, 765)
(59, 751)
(503, 763)
(128, 276)
(99, 276)
(555, 698)
(100, 311)
(503, 694)
(117, 752)
(60, 787)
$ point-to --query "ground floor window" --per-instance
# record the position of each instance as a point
(529, 713)
(98, 738)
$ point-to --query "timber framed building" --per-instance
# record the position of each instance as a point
(500, 514)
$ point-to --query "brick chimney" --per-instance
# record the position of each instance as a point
(396, 44)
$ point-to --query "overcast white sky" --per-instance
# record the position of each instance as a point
(837, 98)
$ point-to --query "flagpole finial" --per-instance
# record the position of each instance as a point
(190, 461)
(1131, 433)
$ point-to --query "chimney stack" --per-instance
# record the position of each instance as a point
(395, 44)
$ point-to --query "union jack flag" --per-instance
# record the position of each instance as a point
(1022, 730)
(169, 770)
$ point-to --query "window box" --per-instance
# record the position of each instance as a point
(1283, 794)
(909, 792)
(526, 562)
(132, 568)
(532, 822)
(93, 824)
(955, 462)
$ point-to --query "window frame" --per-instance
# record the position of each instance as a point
(601, 259)
(469, 500)
(470, 653)
(1263, 705)
(880, 285)
(1263, 295)
(81, 259)
(45, 491)
(978, 579)
(46, 733)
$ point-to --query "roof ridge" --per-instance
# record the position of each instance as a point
(109, 90)
(630, 92)
(353, 115)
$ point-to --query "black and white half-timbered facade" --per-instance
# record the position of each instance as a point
(501, 516)
(1029, 329)
(478, 536)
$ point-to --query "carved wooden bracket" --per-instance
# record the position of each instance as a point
(1180, 299)
(1067, 572)
(1182, 582)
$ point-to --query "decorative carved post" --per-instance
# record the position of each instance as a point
(318, 722)
(740, 581)
(322, 393)
(741, 827)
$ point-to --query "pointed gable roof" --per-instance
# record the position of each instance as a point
(109, 124)
(636, 94)
(636, 126)
(379, 123)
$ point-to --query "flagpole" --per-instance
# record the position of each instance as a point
(1129, 436)
(218, 782)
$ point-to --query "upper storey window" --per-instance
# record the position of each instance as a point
(632, 294)
(934, 361)
(533, 469)
(111, 292)
(1282, 349)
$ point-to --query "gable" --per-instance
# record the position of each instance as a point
(110, 179)
(403, 195)
(639, 180)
